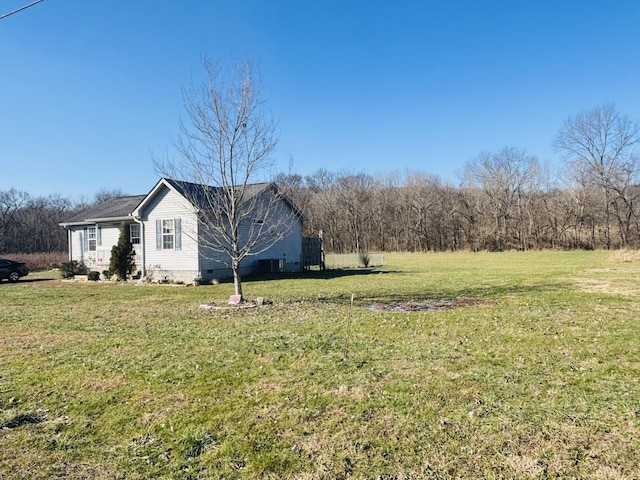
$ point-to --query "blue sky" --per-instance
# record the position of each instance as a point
(90, 91)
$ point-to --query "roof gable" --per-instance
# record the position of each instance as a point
(200, 195)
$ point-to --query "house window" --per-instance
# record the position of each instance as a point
(92, 239)
(134, 234)
(168, 234)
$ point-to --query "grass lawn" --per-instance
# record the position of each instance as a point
(534, 374)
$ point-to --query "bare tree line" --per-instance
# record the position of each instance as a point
(503, 200)
(419, 212)
(30, 224)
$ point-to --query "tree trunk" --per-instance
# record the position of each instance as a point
(607, 219)
(237, 281)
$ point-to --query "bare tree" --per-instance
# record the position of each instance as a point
(226, 145)
(294, 187)
(30, 224)
(385, 213)
(421, 197)
(508, 177)
(600, 149)
(353, 192)
(323, 209)
(105, 194)
(11, 201)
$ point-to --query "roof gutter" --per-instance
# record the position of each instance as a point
(91, 221)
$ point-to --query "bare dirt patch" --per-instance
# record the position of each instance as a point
(430, 305)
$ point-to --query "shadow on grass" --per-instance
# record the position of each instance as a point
(27, 280)
(19, 420)
(316, 274)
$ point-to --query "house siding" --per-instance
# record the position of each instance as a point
(99, 259)
(76, 240)
(214, 265)
(110, 235)
(288, 249)
(172, 264)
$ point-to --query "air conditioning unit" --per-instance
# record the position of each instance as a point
(271, 265)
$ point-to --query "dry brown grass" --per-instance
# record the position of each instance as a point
(613, 281)
(39, 261)
(625, 256)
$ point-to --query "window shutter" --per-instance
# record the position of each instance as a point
(85, 240)
(98, 236)
(177, 225)
(158, 234)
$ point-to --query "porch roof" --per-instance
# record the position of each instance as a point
(115, 209)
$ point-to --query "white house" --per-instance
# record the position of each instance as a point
(169, 241)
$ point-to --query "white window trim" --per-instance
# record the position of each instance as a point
(92, 235)
(162, 237)
(134, 239)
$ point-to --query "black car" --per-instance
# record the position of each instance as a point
(12, 270)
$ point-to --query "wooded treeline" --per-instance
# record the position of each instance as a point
(420, 212)
(500, 206)
(30, 224)
(502, 200)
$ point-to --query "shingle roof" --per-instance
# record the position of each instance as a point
(200, 195)
(120, 208)
(115, 208)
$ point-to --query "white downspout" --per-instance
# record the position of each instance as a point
(139, 221)
(70, 243)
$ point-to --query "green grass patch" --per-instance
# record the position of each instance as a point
(535, 375)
